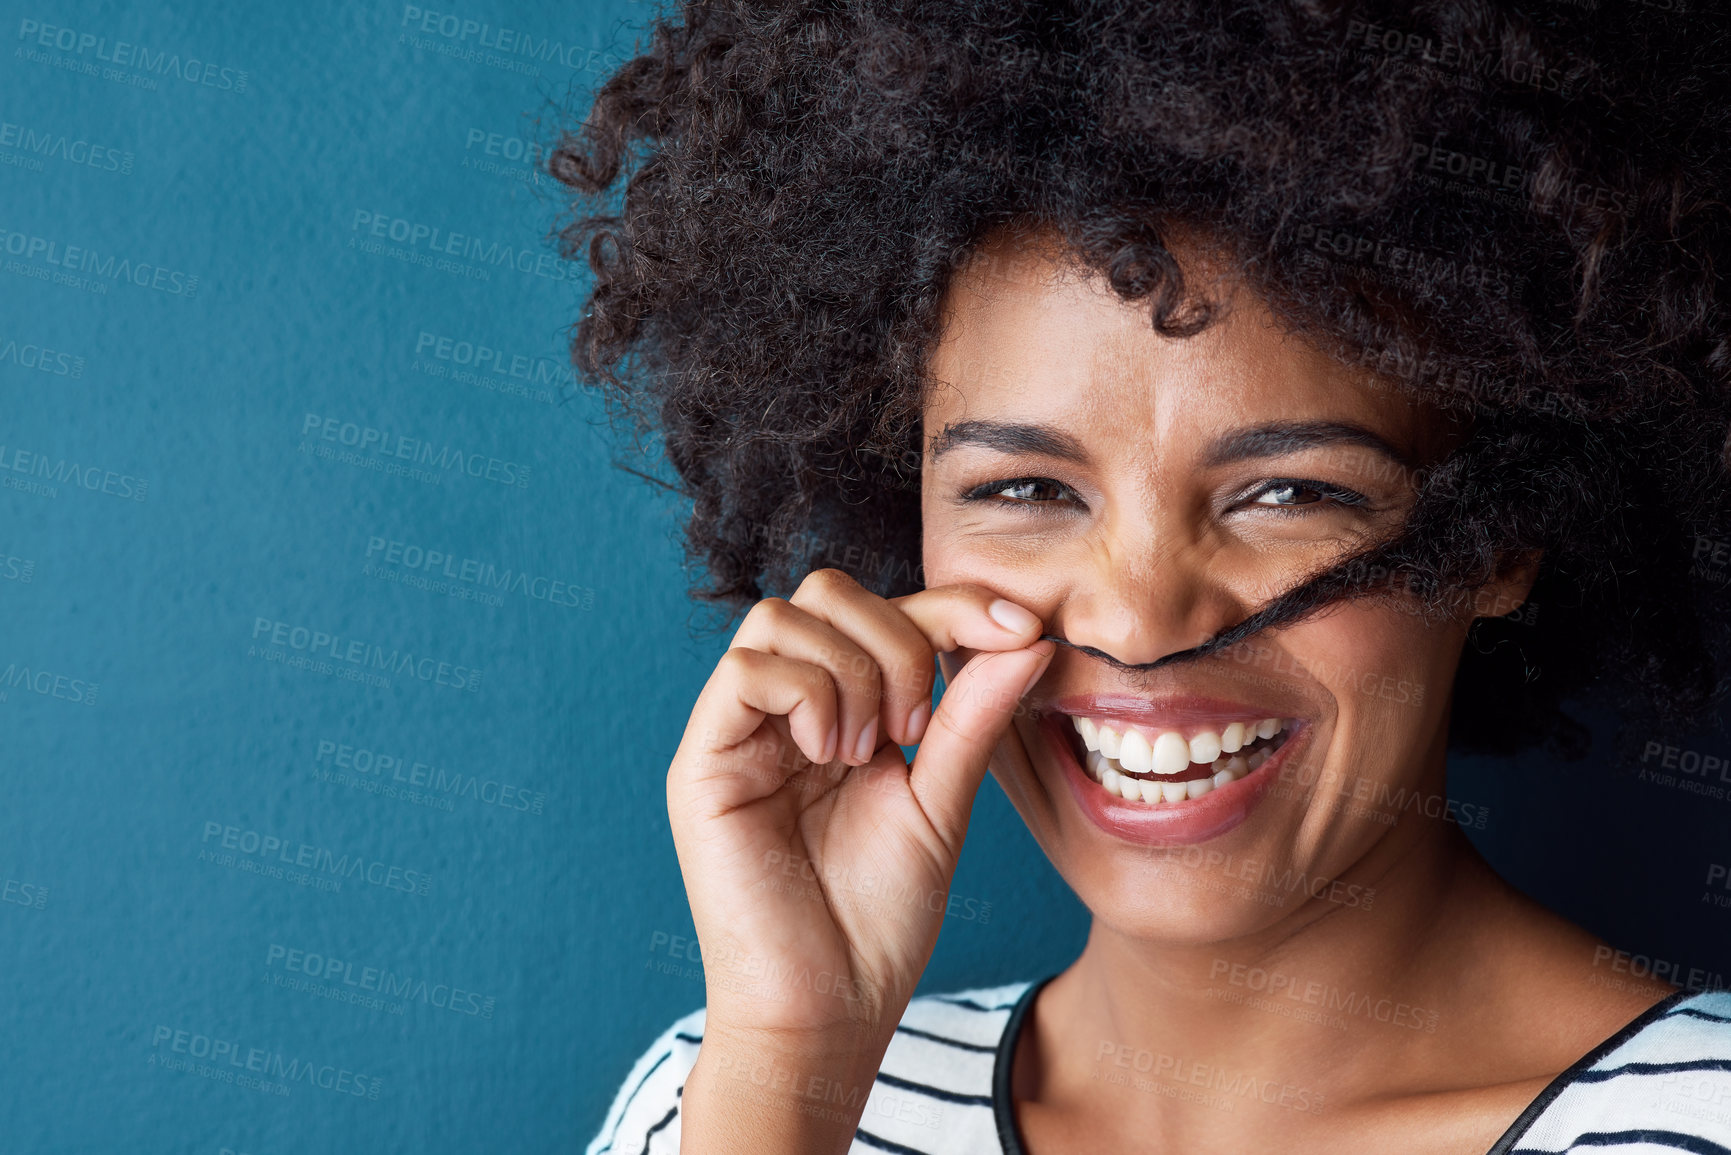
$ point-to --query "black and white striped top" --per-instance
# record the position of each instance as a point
(1661, 1084)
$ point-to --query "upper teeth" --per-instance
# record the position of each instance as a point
(1114, 754)
(1170, 752)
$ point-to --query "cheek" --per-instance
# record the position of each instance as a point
(1037, 581)
(1388, 671)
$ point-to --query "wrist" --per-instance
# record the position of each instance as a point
(759, 1092)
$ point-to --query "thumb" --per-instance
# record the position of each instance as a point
(972, 715)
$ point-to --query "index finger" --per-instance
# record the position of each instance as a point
(969, 617)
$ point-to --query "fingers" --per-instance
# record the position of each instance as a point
(779, 627)
(748, 686)
(902, 635)
(899, 637)
(975, 711)
(852, 670)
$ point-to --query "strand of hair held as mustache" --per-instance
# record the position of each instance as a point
(1355, 576)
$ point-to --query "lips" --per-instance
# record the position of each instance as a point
(1160, 795)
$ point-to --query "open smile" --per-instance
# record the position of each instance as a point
(1170, 775)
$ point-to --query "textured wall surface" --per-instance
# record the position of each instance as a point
(341, 666)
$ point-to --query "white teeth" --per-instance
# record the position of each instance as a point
(1171, 753)
(1090, 733)
(1137, 756)
(1096, 764)
(1112, 757)
(1205, 747)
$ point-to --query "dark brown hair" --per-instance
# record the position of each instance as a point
(1517, 210)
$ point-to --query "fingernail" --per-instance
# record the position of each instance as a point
(867, 742)
(830, 743)
(1012, 616)
(918, 718)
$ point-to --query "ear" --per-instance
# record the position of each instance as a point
(1509, 590)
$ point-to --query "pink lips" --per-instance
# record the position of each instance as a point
(1169, 824)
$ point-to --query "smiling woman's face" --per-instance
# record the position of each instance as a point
(1141, 493)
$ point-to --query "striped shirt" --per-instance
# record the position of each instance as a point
(1661, 1084)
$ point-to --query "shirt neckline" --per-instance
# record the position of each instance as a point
(1010, 1136)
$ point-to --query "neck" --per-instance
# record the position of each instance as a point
(1308, 1009)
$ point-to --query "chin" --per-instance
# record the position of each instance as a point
(1186, 852)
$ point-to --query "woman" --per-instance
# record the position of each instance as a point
(1205, 388)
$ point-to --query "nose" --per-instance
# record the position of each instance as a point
(1138, 601)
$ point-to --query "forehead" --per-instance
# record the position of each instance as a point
(1028, 333)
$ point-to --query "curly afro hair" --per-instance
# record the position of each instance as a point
(1514, 210)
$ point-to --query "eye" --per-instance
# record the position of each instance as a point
(1293, 493)
(1022, 491)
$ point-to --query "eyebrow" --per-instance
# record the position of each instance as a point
(1278, 438)
(1272, 440)
(1009, 437)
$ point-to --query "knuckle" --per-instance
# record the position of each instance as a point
(816, 678)
(768, 613)
(857, 666)
(969, 592)
(826, 585)
(739, 662)
(909, 676)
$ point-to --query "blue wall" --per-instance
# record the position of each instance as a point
(441, 896)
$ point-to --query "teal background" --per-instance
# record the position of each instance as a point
(167, 498)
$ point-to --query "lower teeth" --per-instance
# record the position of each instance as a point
(1150, 791)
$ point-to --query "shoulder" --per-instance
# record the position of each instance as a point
(1664, 1081)
(933, 1090)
